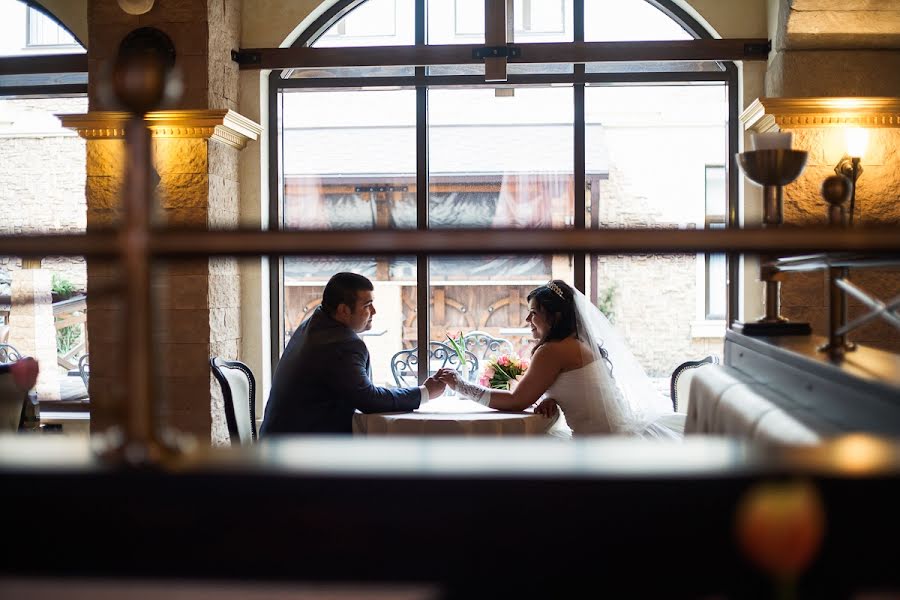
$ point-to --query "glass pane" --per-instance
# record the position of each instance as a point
(501, 161)
(43, 314)
(484, 299)
(647, 148)
(628, 20)
(462, 21)
(373, 23)
(349, 163)
(349, 159)
(468, 20)
(654, 67)
(394, 280)
(43, 79)
(715, 284)
(334, 72)
(47, 194)
(25, 31)
(715, 191)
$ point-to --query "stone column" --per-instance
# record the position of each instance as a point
(32, 329)
(196, 148)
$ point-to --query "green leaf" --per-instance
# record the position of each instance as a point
(459, 348)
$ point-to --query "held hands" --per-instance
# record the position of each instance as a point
(448, 377)
(435, 387)
(547, 408)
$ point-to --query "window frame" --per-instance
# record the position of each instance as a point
(31, 15)
(711, 221)
(421, 81)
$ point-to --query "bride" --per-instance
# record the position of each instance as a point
(582, 365)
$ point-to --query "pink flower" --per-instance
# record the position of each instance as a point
(489, 372)
(504, 361)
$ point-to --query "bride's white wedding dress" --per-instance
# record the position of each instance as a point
(592, 404)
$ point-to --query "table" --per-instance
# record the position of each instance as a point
(452, 416)
(72, 422)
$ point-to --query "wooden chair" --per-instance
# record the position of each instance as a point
(8, 354)
(485, 346)
(680, 384)
(405, 364)
(239, 393)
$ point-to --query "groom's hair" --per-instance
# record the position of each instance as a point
(343, 288)
(552, 304)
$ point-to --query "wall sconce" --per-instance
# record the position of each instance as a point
(136, 7)
(857, 139)
(772, 168)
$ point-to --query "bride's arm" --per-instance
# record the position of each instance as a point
(542, 372)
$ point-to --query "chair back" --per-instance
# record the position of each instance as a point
(405, 364)
(84, 369)
(239, 393)
(8, 354)
(680, 384)
(485, 346)
(12, 401)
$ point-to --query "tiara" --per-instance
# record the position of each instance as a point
(556, 289)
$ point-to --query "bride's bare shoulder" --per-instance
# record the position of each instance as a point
(567, 353)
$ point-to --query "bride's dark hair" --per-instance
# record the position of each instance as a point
(560, 311)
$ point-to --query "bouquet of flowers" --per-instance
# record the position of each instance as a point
(503, 372)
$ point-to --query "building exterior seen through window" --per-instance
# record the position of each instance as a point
(26, 30)
(42, 190)
(653, 155)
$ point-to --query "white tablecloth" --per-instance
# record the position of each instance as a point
(452, 416)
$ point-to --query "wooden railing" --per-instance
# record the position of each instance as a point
(72, 313)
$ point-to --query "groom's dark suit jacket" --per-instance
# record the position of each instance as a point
(322, 377)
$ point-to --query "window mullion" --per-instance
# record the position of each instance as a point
(423, 283)
(579, 175)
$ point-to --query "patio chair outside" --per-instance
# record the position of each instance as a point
(405, 364)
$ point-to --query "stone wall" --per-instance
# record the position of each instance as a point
(803, 295)
(42, 179)
(196, 302)
(654, 304)
(655, 298)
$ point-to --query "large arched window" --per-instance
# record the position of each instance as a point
(44, 191)
(562, 145)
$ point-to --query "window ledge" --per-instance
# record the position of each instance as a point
(708, 329)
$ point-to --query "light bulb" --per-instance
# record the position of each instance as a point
(857, 141)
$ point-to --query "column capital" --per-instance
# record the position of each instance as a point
(221, 125)
(771, 114)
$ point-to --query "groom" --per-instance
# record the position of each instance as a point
(324, 374)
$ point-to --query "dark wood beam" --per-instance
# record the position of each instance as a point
(48, 63)
(557, 52)
(175, 243)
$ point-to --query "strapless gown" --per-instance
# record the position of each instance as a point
(592, 404)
